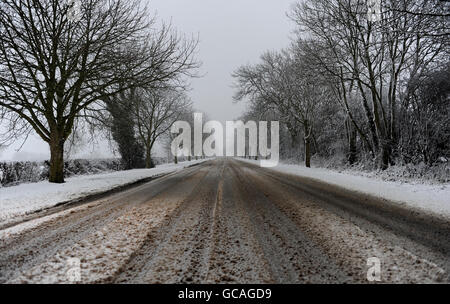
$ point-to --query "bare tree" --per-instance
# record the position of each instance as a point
(283, 81)
(373, 58)
(155, 111)
(54, 69)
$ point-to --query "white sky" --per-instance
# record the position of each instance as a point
(231, 32)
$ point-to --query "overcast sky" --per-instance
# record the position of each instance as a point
(231, 32)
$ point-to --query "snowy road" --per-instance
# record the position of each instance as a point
(229, 221)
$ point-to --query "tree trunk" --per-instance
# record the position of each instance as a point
(56, 174)
(385, 154)
(307, 144)
(307, 152)
(351, 134)
(149, 162)
(176, 160)
(148, 159)
(370, 119)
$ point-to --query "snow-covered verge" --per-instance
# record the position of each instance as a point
(102, 253)
(439, 172)
(13, 173)
(420, 173)
(430, 197)
(18, 172)
(26, 198)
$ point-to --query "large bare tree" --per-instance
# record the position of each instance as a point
(284, 82)
(375, 58)
(55, 66)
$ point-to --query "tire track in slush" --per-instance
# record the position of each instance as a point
(213, 232)
(227, 231)
(179, 252)
(351, 238)
(35, 246)
(236, 254)
(292, 256)
(232, 222)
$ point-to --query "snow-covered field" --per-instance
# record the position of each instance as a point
(26, 198)
(434, 198)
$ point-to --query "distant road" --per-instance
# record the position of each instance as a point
(228, 221)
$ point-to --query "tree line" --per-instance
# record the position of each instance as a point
(371, 88)
(109, 63)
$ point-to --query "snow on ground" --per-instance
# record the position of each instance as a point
(102, 253)
(434, 198)
(7, 233)
(26, 198)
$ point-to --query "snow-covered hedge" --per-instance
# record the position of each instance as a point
(14, 173)
(438, 172)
